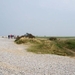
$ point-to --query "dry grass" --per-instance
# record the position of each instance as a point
(45, 46)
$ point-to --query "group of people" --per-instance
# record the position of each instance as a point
(11, 36)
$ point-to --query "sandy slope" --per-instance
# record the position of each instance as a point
(15, 60)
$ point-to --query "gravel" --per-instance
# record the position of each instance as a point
(15, 60)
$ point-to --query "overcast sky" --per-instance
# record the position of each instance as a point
(39, 17)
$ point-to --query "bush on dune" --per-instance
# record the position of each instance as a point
(46, 46)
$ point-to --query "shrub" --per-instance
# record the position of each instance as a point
(29, 35)
(17, 38)
(52, 38)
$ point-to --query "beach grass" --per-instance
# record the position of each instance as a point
(45, 46)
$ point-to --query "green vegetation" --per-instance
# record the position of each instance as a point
(70, 44)
(46, 46)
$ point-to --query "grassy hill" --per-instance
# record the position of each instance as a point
(64, 47)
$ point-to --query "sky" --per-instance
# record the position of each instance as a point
(38, 17)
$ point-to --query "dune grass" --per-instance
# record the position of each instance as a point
(45, 46)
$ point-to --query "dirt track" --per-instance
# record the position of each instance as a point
(15, 60)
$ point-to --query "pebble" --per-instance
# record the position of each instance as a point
(15, 60)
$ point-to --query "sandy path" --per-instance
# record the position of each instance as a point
(15, 60)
